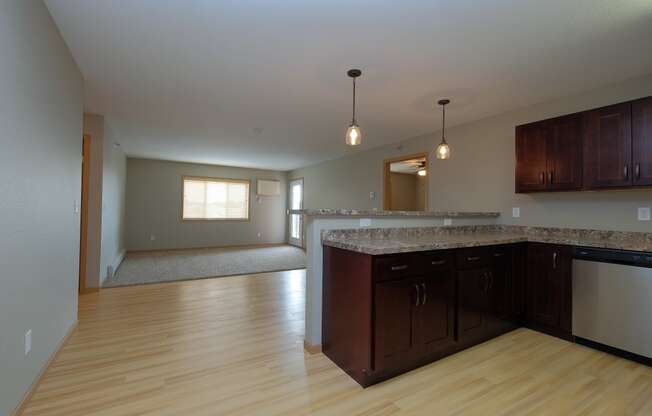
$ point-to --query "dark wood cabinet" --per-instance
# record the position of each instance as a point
(435, 330)
(548, 288)
(604, 148)
(549, 155)
(385, 315)
(642, 142)
(531, 157)
(395, 324)
(608, 147)
(564, 162)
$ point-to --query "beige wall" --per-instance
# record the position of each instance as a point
(154, 201)
(41, 106)
(480, 174)
(404, 192)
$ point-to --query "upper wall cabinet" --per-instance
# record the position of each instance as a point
(549, 155)
(609, 147)
(642, 141)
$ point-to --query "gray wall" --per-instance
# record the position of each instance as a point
(114, 193)
(480, 174)
(41, 106)
(154, 201)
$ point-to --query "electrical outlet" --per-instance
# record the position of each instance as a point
(152, 237)
(644, 214)
(260, 235)
(516, 212)
(372, 195)
(448, 221)
(28, 341)
(365, 222)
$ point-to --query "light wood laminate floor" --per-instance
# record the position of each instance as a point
(233, 346)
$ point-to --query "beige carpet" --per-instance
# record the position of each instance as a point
(174, 265)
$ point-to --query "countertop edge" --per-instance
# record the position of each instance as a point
(326, 212)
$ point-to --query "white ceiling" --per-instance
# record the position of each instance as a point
(263, 83)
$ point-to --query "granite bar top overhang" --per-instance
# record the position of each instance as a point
(404, 240)
(346, 212)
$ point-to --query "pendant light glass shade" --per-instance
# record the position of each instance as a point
(353, 133)
(422, 172)
(443, 150)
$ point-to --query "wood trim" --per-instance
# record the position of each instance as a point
(208, 178)
(311, 348)
(159, 250)
(83, 229)
(30, 392)
(387, 183)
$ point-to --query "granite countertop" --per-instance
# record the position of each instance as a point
(345, 212)
(390, 241)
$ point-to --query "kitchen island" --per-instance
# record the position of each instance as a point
(398, 298)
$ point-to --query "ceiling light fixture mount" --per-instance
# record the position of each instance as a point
(443, 150)
(353, 133)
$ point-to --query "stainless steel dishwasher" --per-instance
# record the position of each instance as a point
(612, 301)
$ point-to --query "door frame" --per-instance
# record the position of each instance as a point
(83, 228)
(387, 183)
(292, 241)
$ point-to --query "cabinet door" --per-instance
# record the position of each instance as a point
(436, 315)
(549, 287)
(564, 162)
(500, 283)
(642, 141)
(472, 304)
(531, 160)
(395, 305)
(608, 147)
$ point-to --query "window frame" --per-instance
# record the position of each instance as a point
(213, 179)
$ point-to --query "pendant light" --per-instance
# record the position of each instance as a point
(353, 133)
(443, 150)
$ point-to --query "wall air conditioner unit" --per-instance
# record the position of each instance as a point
(268, 187)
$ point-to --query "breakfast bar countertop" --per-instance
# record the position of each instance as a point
(403, 240)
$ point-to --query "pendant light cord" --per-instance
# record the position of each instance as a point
(443, 123)
(353, 121)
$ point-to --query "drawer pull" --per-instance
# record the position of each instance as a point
(499, 254)
(473, 258)
(438, 262)
(399, 268)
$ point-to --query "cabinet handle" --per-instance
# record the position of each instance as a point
(418, 295)
(550, 176)
(474, 258)
(491, 281)
(543, 178)
(626, 171)
(398, 268)
(554, 260)
(637, 171)
(499, 254)
(438, 262)
(425, 294)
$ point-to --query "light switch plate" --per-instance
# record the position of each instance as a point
(448, 221)
(644, 214)
(365, 222)
(372, 195)
(516, 212)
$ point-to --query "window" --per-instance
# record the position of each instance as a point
(215, 199)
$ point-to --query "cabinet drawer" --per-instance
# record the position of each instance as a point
(468, 258)
(394, 267)
(435, 261)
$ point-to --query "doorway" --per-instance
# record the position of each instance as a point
(406, 183)
(296, 220)
(83, 238)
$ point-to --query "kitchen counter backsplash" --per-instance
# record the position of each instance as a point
(378, 241)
